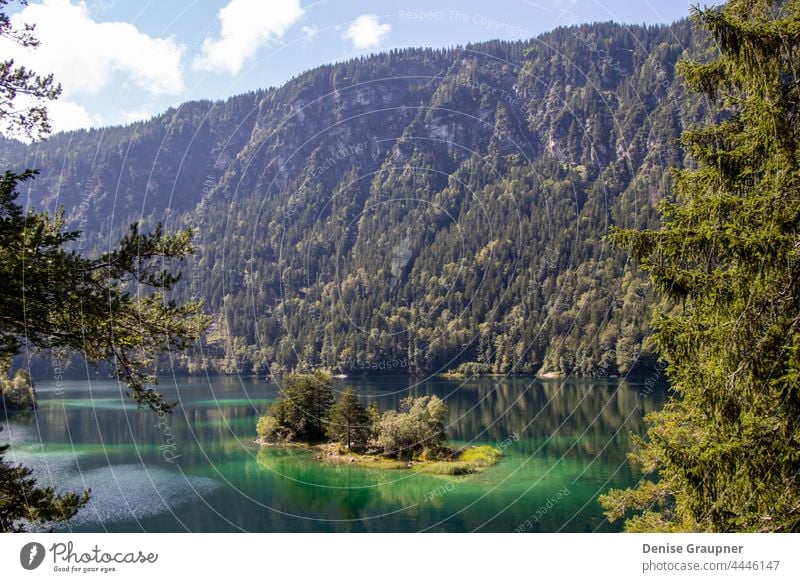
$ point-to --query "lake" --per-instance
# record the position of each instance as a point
(564, 442)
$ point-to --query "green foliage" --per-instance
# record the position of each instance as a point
(302, 414)
(54, 298)
(482, 455)
(373, 413)
(470, 460)
(268, 429)
(111, 308)
(725, 452)
(307, 413)
(17, 393)
(418, 426)
(488, 253)
(100, 307)
(26, 119)
(24, 506)
(446, 468)
(349, 422)
(414, 433)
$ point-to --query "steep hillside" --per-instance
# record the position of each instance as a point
(411, 212)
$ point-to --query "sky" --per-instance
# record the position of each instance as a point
(121, 61)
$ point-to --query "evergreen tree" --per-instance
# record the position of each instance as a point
(726, 451)
(24, 505)
(349, 422)
(20, 118)
(303, 413)
(110, 308)
(51, 297)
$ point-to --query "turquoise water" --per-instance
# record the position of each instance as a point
(564, 443)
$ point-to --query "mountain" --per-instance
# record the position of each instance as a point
(413, 211)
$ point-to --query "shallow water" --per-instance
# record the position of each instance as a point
(564, 443)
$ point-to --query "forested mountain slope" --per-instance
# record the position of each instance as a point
(409, 212)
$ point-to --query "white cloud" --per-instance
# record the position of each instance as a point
(86, 56)
(310, 33)
(66, 116)
(366, 32)
(136, 115)
(62, 115)
(246, 26)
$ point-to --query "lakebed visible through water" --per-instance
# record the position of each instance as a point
(564, 442)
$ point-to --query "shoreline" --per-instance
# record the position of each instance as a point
(466, 461)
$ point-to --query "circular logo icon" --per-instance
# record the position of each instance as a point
(31, 555)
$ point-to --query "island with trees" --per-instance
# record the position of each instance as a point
(345, 431)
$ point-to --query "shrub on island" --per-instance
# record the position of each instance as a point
(17, 393)
(345, 430)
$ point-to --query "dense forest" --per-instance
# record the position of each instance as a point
(409, 212)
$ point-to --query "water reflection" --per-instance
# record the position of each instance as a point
(565, 434)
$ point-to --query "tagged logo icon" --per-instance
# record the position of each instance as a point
(31, 555)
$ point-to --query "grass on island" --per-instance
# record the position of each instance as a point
(465, 462)
(335, 453)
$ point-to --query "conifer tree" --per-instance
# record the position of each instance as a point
(25, 504)
(113, 307)
(725, 453)
(349, 422)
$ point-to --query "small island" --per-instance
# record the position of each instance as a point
(345, 431)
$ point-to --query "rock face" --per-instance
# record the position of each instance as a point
(409, 212)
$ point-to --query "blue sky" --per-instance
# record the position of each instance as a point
(124, 60)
